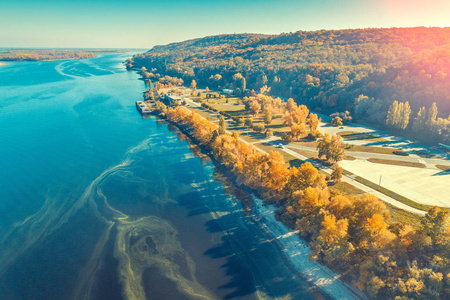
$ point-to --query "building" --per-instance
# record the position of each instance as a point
(171, 97)
(228, 91)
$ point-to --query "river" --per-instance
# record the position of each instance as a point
(98, 203)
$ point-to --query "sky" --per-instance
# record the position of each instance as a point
(141, 24)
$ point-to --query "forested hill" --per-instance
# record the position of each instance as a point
(52, 54)
(363, 70)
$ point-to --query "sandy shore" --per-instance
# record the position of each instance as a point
(296, 252)
(2, 63)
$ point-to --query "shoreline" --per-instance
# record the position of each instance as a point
(294, 250)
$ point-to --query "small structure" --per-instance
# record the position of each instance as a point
(172, 97)
(228, 92)
(143, 108)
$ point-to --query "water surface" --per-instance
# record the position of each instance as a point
(98, 203)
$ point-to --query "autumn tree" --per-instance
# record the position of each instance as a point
(398, 115)
(337, 148)
(259, 127)
(297, 130)
(221, 125)
(331, 147)
(435, 224)
(237, 77)
(243, 84)
(336, 175)
(332, 245)
(336, 122)
(255, 107)
(264, 90)
(193, 84)
(267, 117)
(303, 177)
(287, 137)
(313, 122)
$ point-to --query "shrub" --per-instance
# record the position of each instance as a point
(400, 152)
(259, 127)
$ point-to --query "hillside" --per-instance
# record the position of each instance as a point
(363, 70)
(51, 54)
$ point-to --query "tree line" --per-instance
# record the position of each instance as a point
(49, 54)
(351, 235)
(361, 71)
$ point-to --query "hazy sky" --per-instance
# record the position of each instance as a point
(145, 23)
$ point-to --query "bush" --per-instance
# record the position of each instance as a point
(287, 137)
(336, 122)
(259, 127)
(311, 136)
(400, 152)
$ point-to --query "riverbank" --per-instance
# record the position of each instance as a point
(297, 251)
(294, 250)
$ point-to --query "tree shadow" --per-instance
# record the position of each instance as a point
(441, 173)
(192, 204)
(251, 259)
(296, 162)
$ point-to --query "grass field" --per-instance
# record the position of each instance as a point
(352, 136)
(370, 149)
(347, 189)
(396, 162)
(443, 168)
(400, 215)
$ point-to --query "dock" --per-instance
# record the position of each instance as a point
(143, 108)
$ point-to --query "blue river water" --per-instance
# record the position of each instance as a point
(98, 203)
